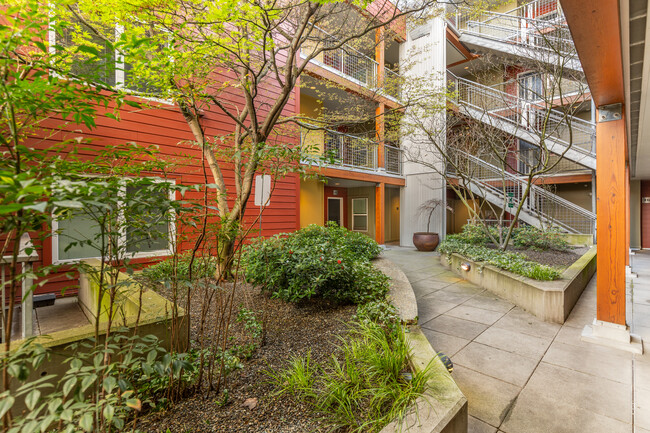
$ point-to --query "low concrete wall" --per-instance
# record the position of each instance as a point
(443, 407)
(154, 319)
(551, 301)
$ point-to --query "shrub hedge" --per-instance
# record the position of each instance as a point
(330, 262)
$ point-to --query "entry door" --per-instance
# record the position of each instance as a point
(335, 210)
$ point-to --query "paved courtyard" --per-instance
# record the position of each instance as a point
(523, 375)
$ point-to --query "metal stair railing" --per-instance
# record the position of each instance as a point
(507, 111)
(546, 207)
(517, 27)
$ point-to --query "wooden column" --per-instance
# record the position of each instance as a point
(611, 226)
(380, 196)
(380, 55)
(380, 134)
(627, 214)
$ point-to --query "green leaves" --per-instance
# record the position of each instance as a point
(330, 262)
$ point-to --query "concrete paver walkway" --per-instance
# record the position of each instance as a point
(521, 374)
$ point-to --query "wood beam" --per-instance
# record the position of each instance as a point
(380, 198)
(596, 31)
(611, 227)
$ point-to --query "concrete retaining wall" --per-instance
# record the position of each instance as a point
(551, 301)
(443, 407)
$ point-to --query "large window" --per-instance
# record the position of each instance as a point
(109, 67)
(360, 214)
(143, 231)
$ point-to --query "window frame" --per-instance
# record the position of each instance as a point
(171, 244)
(119, 73)
(367, 215)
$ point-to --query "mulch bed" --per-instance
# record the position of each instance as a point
(292, 330)
(558, 259)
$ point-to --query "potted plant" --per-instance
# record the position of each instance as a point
(428, 241)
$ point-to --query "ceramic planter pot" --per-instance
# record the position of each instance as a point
(425, 241)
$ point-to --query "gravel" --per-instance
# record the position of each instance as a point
(291, 330)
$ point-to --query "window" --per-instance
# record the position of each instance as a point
(531, 87)
(144, 233)
(360, 214)
(109, 67)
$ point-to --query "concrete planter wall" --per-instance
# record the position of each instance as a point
(443, 407)
(551, 301)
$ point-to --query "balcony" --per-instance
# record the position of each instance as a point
(351, 64)
(354, 152)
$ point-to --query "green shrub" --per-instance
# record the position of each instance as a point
(103, 386)
(476, 234)
(531, 237)
(509, 261)
(363, 388)
(164, 270)
(330, 262)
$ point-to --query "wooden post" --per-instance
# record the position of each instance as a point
(611, 226)
(380, 134)
(380, 195)
(379, 55)
(627, 214)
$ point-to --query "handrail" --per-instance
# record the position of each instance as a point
(514, 29)
(540, 202)
(503, 106)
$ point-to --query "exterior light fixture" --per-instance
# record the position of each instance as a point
(465, 266)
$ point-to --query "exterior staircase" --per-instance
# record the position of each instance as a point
(572, 137)
(541, 208)
(536, 30)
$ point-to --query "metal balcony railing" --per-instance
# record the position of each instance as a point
(394, 160)
(344, 60)
(353, 151)
(358, 152)
(513, 114)
(548, 209)
(392, 83)
(351, 64)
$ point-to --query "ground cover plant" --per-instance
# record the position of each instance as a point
(329, 262)
(365, 383)
(472, 243)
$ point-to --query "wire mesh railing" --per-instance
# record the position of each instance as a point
(348, 150)
(539, 26)
(549, 209)
(510, 112)
(394, 160)
(392, 83)
(350, 63)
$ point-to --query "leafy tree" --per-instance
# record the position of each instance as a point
(240, 59)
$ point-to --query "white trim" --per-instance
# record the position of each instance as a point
(361, 214)
(122, 239)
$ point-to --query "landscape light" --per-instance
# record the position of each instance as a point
(465, 266)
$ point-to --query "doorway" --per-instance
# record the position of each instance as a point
(335, 210)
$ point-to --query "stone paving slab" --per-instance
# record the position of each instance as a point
(506, 366)
(486, 317)
(456, 327)
(595, 360)
(489, 398)
(577, 387)
(445, 343)
(570, 387)
(537, 413)
(515, 342)
(475, 425)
